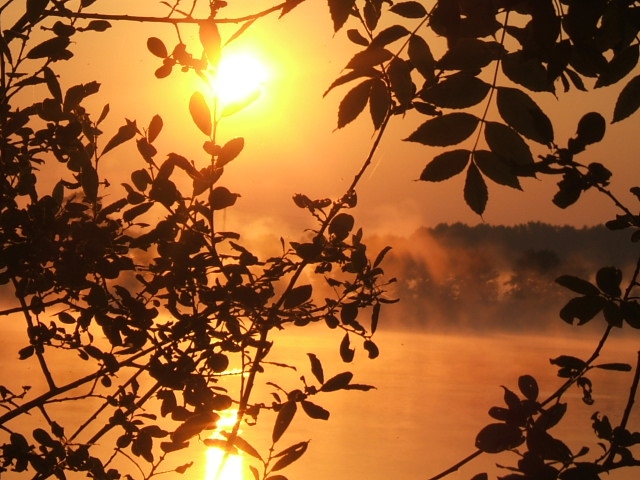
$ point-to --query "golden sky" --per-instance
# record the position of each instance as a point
(291, 142)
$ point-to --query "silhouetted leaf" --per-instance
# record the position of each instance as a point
(340, 226)
(353, 103)
(35, 8)
(458, 91)
(581, 308)
(129, 215)
(229, 151)
(526, 70)
(628, 100)
(445, 130)
(496, 169)
(372, 349)
(314, 411)
(155, 126)
(620, 65)
(352, 75)
(618, 367)
(577, 285)
(316, 367)
(90, 182)
(409, 9)
(52, 84)
(54, 48)
(467, 54)
(346, 352)
(297, 296)
(288, 456)
(97, 26)
(338, 382)
(528, 387)
(498, 437)
(283, 420)
(125, 133)
(288, 6)
(446, 165)
(66, 318)
(210, 40)
(340, 10)
(608, 280)
(569, 362)
(521, 113)
(356, 37)
(421, 57)
(157, 47)
(379, 102)
(389, 35)
(222, 198)
(581, 471)
(200, 113)
(399, 72)
(507, 144)
(591, 128)
(551, 416)
(26, 352)
(369, 58)
(476, 194)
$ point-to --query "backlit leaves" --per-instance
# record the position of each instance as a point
(446, 130)
(125, 133)
(458, 91)
(475, 190)
(409, 9)
(283, 420)
(421, 57)
(210, 40)
(468, 54)
(507, 144)
(628, 100)
(445, 165)
(523, 115)
(340, 10)
(200, 113)
(498, 437)
(494, 167)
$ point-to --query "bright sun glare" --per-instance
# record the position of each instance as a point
(232, 468)
(239, 76)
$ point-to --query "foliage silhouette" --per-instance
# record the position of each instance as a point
(181, 303)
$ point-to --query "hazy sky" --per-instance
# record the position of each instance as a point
(291, 145)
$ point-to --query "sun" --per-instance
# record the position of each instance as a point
(239, 77)
(232, 468)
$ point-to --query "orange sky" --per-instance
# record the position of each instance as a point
(291, 145)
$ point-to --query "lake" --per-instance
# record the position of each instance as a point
(432, 397)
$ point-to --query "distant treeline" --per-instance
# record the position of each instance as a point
(485, 277)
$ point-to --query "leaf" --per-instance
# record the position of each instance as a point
(125, 133)
(409, 9)
(26, 352)
(379, 102)
(496, 169)
(618, 367)
(371, 348)
(498, 437)
(340, 10)
(35, 9)
(297, 296)
(581, 308)
(402, 85)
(52, 84)
(288, 456)
(476, 194)
(316, 367)
(210, 40)
(521, 113)
(54, 49)
(526, 70)
(620, 65)
(551, 416)
(97, 26)
(480, 476)
(157, 47)
(155, 126)
(283, 420)
(340, 226)
(445, 165)
(356, 37)
(467, 54)
(287, 7)
(353, 103)
(222, 198)
(229, 151)
(528, 387)
(346, 352)
(608, 280)
(507, 144)
(314, 411)
(338, 382)
(90, 182)
(591, 128)
(389, 35)
(449, 129)
(66, 318)
(628, 100)
(421, 57)
(458, 91)
(368, 58)
(200, 113)
(129, 215)
(577, 285)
